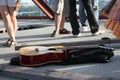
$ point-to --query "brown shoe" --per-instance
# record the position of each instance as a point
(64, 31)
(54, 34)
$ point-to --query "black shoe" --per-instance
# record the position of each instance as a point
(77, 35)
(75, 32)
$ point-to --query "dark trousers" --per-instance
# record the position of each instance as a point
(94, 26)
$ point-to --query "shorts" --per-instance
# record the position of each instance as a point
(10, 3)
(61, 7)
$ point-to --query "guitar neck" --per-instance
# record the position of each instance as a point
(74, 47)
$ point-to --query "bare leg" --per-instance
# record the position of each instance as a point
(7, 21)
(13, 14)
(58, 19)
(62, 22)
(62, 30)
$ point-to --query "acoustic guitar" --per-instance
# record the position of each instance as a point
(38, 55)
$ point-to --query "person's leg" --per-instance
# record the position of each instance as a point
(94, 26)
(82, 13)
(64, 15)
(83, 17)
(58, 18)
(7, 21)
(72, 17)
(60, 13)
(63, 30)
(13, 14)
(62, 22)
(59, 26)
(95, 4)
(58, 8)
(97, 11)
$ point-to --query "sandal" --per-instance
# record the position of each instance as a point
(54, 34)
(13, 43)
(7, 42)
(64, 31)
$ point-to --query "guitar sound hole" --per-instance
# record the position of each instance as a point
(37, 50)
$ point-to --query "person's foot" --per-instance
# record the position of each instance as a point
(64, 31)
(84, 29)
(99, 32)
(12, 44)
(77, 35)
(84, 25)
(54, 34)
(75, 31)
(7, 42)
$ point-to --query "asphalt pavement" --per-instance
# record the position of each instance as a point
(37, 32)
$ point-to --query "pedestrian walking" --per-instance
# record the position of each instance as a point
(83, 14)
(61, 12)
(94, 26)
(8, 11)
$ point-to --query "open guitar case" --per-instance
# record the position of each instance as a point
(91, 54)
(100, 54)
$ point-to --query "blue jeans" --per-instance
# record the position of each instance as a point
(82, 13)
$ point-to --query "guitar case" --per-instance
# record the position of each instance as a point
(15, 61)
(98, 54)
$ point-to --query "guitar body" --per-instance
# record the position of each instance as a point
(30, 56)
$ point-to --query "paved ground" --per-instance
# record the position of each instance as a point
(41, 36)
